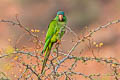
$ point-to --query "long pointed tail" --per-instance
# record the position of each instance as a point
(47, 53)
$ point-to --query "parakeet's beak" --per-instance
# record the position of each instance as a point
(60, 17)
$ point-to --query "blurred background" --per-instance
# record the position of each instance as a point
(82, 16)
(37, 14)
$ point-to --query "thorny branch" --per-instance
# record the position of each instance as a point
(83, 39)
(54, 67)
(19, 24)
(29, 67)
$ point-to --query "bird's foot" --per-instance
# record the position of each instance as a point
(58, 41)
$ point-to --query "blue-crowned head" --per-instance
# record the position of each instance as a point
(60, 14)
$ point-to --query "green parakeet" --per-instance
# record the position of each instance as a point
(56, 30)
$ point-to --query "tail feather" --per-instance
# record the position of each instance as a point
(47, 53)
(42, 52)
(45, 46)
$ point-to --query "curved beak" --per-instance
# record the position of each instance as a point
(60, 17)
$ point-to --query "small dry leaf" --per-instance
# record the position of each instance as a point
(8, 66)
(94, 43)
(36, 30)
(97, 45)
(32, 30)
(16, 57)
(20, 70)
(9, 50)
(100, 44)
(15, 76)
(113, 65)
(9, 40)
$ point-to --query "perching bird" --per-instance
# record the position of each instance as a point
(56, 30)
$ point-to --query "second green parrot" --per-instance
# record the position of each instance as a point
(56, 30)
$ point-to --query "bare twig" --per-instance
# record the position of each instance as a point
(83, 39)
(54, 67)
(28, 67)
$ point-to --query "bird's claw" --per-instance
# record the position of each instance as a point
(58, 41)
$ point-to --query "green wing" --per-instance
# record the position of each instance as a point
(51, 31)
(48, 43)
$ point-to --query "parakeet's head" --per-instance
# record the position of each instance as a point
(60, 13)
(60, 16)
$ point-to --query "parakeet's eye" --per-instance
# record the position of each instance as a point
(60, 17)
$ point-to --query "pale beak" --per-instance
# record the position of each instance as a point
(60, 17)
